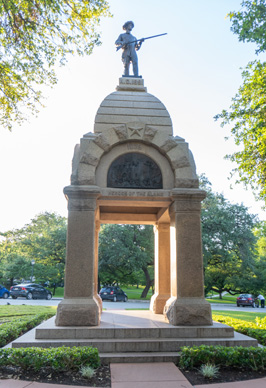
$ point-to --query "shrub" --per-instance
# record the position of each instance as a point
(255, 330)
(86, 371)
(11, 330)
(60, 359)
(209, 371)
(238, 357)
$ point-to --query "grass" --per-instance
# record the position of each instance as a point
(132, 292)
(135, 293)
(10, 312)
(59, 292)
(245, 316)
(226, 299)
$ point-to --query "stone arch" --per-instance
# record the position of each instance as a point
(138, 148)
(128, 121)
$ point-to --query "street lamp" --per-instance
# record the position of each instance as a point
(32, 264)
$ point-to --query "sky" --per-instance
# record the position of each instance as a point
(195, 70)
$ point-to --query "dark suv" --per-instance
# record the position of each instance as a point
(30, 291)
(113, 293)
(247, 300)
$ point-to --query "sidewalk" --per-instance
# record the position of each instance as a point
(148, 375)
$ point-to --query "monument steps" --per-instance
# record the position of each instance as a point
(133, 336)
(139, 357)
(132, 345)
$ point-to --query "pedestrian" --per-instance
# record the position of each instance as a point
(262, 300)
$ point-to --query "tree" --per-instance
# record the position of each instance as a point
(35, 35)
(44, 240)
(124, 250)
(250, 23)
(247, 113)
(228, 244)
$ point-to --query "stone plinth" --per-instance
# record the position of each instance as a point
(78, 312)
(188, 312)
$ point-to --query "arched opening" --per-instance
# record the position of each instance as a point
(126, 259)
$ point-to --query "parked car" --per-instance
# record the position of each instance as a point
(4, 293)
(113, 293)
(247, 300)
(30, 291)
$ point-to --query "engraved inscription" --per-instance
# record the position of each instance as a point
(134, 147)
(128, 81)
(134, 171)
(133, 193)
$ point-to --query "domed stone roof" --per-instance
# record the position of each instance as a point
(133, 120)
(132, 104)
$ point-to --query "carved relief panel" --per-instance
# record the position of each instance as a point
(134, 170)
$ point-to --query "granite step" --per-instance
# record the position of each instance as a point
(137, 344)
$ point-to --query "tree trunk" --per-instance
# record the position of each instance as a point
(149, 282)
(220, 295)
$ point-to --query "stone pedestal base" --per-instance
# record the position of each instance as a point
(99, 301)
(188, 312)
(78, 312)
(158, 302)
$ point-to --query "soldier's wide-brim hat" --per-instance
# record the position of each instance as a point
(127, 23)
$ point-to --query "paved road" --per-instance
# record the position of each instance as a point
(54, 302)
(122, 305)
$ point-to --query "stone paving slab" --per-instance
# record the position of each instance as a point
(257, 383)
(11, 383)
(148, 375)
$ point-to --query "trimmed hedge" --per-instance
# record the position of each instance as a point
(60, 359)
(12, 330)
(255, 330)
(237, 357)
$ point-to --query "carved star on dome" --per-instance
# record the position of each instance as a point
(135, 129)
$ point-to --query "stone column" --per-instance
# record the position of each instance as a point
(187, 305)
(161, 268)
(79, 306)
(96, 244)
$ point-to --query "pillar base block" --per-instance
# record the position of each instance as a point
(78, 312)
(99, 301)
(188, 312)
(158, 302)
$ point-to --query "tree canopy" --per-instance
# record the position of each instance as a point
(247, 113)
(44, 241)
(126, 253)
(35, 35)
(250, 23)
(229, 244)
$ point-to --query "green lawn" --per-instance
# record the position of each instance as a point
(245, 316)
(9, 312)
(59, 292)
(226, 299)
(132, 292)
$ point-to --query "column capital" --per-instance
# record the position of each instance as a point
(187, 200)
(162, 226)
(188, 194)
(82, 198)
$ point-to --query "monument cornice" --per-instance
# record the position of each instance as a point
(186, 194)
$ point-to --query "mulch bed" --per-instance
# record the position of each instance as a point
(226, 375)
(101, 377)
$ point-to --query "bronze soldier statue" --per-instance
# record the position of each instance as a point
(129, 45)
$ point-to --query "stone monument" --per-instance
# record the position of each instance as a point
(131, 169)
